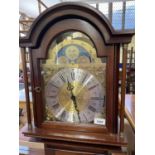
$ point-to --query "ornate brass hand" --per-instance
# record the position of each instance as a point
(70, 87)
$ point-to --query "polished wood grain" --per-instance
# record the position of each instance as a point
(57, 145)
(123, 89)
(73, 136)
(119, 154)
(72, 153)
(62, 152)
(115, 82)
(23, 55)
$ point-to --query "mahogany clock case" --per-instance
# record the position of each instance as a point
(66, 17)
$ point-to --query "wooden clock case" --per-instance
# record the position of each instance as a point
(83, 18)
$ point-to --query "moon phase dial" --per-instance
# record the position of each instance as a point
(74, 95)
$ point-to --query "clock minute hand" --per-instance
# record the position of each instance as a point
(75, 105)
(70, 88)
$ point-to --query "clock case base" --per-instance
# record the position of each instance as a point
(76, 141)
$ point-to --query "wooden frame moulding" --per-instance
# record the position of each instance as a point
(28, 108)
(123, 89)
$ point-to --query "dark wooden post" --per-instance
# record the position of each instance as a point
(28, 108)
(123, 15)
(123, 89)
(39, 6)
(110, 12)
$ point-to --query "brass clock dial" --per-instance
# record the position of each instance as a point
(74, 81)
(74, 95)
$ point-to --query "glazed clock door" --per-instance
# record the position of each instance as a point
(73, 79)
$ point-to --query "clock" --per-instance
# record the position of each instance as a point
(74, 95)
(74, 59)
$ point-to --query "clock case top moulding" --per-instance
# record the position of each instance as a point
(86, 19)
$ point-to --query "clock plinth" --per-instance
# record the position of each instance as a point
(74, 59)
(77, 141)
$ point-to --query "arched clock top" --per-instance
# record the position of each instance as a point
(70, 10)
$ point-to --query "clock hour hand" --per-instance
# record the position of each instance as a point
(70, 87)
(75, 105)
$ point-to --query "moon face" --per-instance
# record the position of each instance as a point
(74, 95)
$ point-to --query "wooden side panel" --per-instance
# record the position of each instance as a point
(49, 151)
(116, 79)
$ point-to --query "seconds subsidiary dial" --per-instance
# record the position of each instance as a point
(74, 95)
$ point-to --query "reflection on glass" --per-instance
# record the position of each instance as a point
(104, 8)
(130, 15)
(117, 15)
(93, 5)
(73, 80)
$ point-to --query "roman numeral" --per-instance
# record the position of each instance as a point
(54, 85)
(63, 115)
(55, 106)
(52, 96)
(97, 98)
(73, 75)
(91, 108)
(93, 87)
(83, 80)
(85, 117)
(62, 78)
